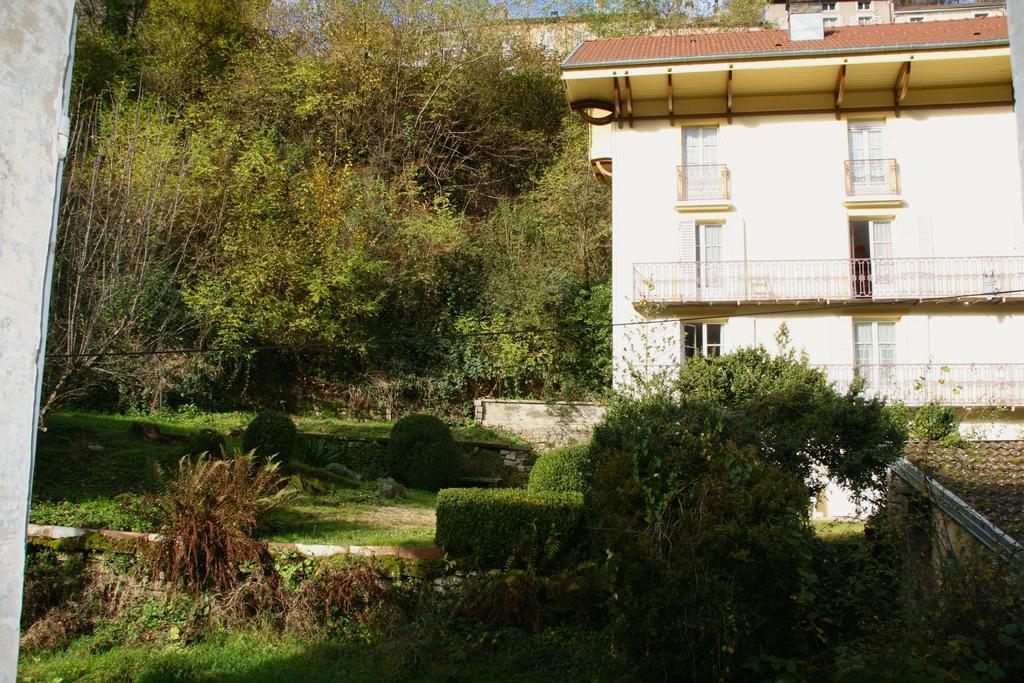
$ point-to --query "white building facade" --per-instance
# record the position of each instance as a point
(838, 13)
(861, 189)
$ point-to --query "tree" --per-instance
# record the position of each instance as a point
(135, 214)
(795, 416)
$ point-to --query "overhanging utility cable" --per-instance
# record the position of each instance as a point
(519, 331)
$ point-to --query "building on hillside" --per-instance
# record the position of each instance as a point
(837, 13)
(941, 11)
(860, 187)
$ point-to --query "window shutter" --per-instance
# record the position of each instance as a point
(687, 282)
(688, 241)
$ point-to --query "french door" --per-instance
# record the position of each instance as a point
(702, 176)
(875, 354)
(873, 269)
(868, 167)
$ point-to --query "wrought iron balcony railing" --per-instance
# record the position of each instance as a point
(960, 385)
(829, 279)
(703, 182)
(872, 177)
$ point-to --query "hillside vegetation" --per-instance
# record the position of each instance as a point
(337, 202)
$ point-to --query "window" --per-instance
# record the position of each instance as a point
(702, 176)
(702, 339)
(875, 352)
(916, 19)
(864, 21)
(863, 4)
(828, 6)
(700, 145)
(830, 22)
(869, 172)
(981, 15)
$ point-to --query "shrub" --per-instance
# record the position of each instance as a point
(319, 452)
(568, 469)
(271, 433)
(211, 508)
(934, 422)
(423, 453)
(496, 526)
(207, 441)
(368, 458)
(704, 545)
(797, 419)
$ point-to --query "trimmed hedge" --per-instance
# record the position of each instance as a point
(422, 453)
(271, 433)
(569, 469)
(494, 526)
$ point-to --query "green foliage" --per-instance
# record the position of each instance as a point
(319, 452)
(934, 422)
(369, 458)
(207, 441)
(422, 452)
(271, 433)
(302, 180)
(494, 527)
(706, 544)
(568, 469)
(796, 418)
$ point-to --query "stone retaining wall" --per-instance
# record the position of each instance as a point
(72, 538)
(545, 425)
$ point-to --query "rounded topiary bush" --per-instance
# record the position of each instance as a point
(422, 453)
(569, 469)
(207, 441)
(271, 433)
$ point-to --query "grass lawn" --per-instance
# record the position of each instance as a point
(91, 471)
(256, 656)
(836, 528)
(356, 517)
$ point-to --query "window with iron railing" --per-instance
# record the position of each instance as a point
(701, 176)
(703, 181)
(872, 177)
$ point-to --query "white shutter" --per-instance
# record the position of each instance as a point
(686, 283)
(687, 241)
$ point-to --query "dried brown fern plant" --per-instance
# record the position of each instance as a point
(212, 508)
(330, 598)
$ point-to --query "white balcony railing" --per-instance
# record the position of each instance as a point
(828, 279)
(962, 385)
(959, 385)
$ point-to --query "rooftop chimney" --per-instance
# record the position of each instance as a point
(805, 21)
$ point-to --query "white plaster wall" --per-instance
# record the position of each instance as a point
(961, 181)
(34, 53)
(846, 12)
(951, 14)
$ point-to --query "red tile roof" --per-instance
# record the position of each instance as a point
(709, 46)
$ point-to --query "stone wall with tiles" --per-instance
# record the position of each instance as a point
(545, 425)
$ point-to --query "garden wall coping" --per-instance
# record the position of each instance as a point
(57, 533)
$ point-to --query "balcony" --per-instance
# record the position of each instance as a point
(963, 385)
(829, 280)
(873, 182)
(972, 385)
(703, 187)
